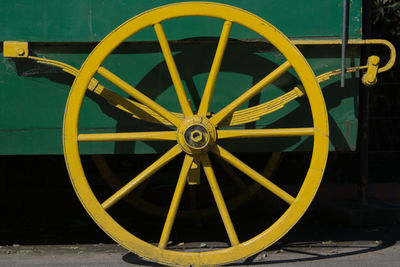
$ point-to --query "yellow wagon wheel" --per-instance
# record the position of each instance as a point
(196, 135)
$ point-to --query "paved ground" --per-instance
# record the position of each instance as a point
(326, 253)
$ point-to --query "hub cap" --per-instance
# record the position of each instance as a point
(196, 134)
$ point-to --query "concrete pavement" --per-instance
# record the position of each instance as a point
(325, 253)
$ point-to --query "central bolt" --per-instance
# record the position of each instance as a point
(196, 136)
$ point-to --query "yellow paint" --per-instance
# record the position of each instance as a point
(141, 177)
(369, 78)
(222, 114)
(193, 177)
(196, 134)
(204, 139)
(389, 45)
(142, 136)
(212, 77)
(256, 112)
(15, 49)
(243, 116)
(239, 249)
(176, 79)
(176, 199)
(219, 199)
(138, 95)
(219, 151)
(259, 133)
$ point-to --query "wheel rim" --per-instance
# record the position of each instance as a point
(239, 250)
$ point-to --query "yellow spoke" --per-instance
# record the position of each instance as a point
(237, 163)
(250, 93)
(259, 133)
(219, 199)
(173, 70)
(158, 164)
(139, 96)
(212, 77)
(135, 136)
(176, 199)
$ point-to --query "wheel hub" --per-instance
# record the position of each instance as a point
(196, 134)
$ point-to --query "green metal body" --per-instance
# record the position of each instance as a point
(33, 96)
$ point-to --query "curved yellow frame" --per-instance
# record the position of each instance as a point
(238, 250)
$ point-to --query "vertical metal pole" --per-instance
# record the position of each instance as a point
(344, 39)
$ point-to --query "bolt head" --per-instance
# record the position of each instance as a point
(20, 51)
(196, 136)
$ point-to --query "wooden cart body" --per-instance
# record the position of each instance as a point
(33, 96)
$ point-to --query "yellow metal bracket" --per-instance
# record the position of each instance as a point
(193, 177)
(389, 45)
(15, 49)
(369, 77)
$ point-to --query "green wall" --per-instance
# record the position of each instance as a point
(33, 96)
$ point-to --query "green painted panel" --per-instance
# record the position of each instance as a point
(92, 20)
(33, 96)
